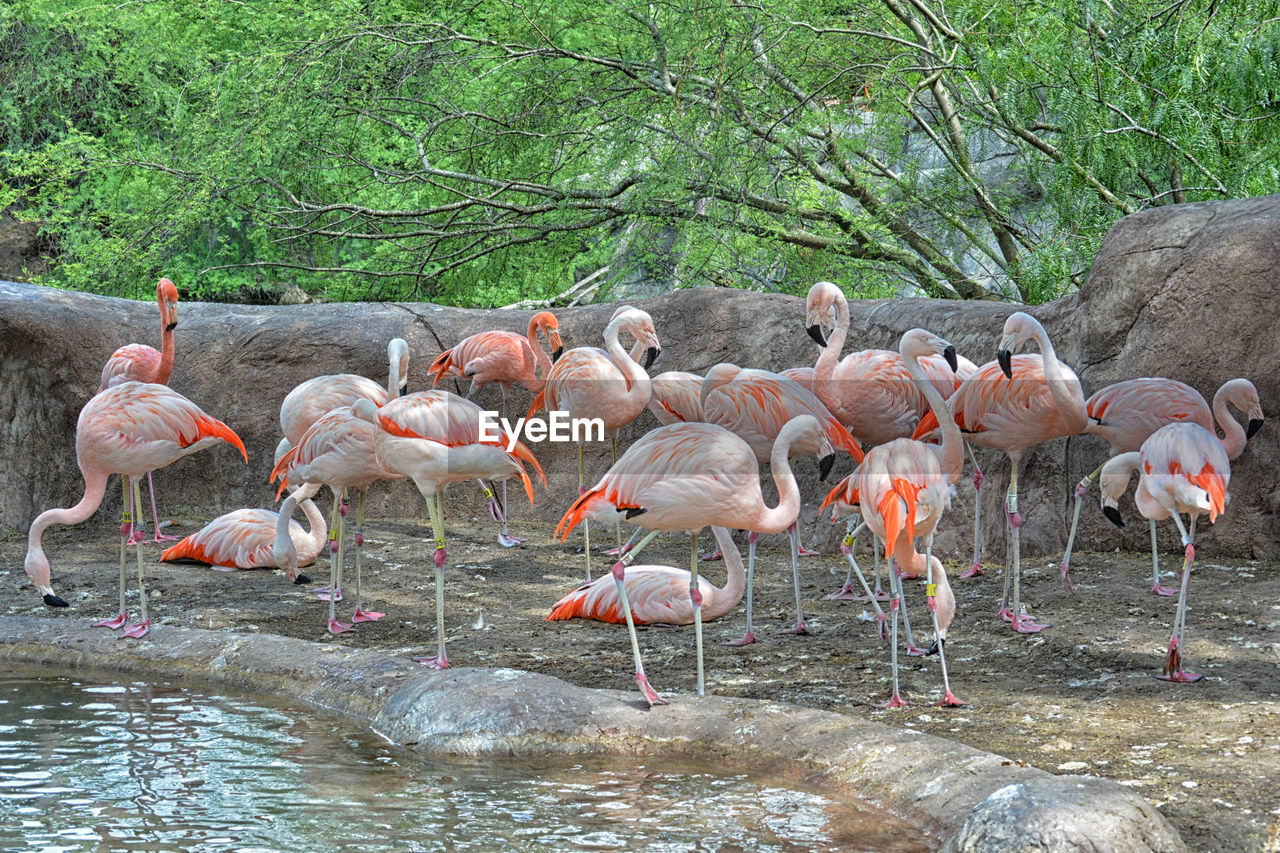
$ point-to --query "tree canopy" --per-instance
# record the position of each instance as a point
(506, 150)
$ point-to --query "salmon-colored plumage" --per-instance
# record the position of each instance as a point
(309, 400)
(502, 357)
(139, 362)
(675, 397)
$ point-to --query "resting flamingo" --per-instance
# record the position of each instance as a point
(128, 429)
(1167, 487)
(1127, 413)
(688, 476)
(604, 384)
(142, 363)
(756, 405)
(435, 438)
(1015, 403)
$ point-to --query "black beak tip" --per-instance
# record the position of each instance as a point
(555, 356)
(170, 327)
(950, 355)
(650, 356)
(815, 332)
(825, 464)
(1255, 424)
(1005, 359)
(301, 579)
(935, 648)
(54, 601)
(633, 511)
(404, 389)
(1113, 515)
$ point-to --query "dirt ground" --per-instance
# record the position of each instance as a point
(1081, 697)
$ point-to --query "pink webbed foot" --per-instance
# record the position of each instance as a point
(336, 627)
(1026, 624)
(1006, 614)
(362, 615)
(650, 695)
(845, 593)
(113, 623)
(1063, 568)
(745, 640)
(1173, 670)
(950, 701)
(434, 661)
(325, 593)
(1166, 591)
(137, 630)
(882, 626)
(799, 628)
(717, 554)
(805, 552)
(915, 651)
(506, 540)
(974, 571)
(895, 701)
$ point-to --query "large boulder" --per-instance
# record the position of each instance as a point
(1185, 291)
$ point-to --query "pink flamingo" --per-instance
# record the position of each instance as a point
(1014, 403)
(903, 488)
(315, 397)
(128, 429)
(688, 476)
(1127, 413)
(756, 405)
(1168, 487)
(435, 438)
(141, 363)
(603, 384)
(675, 397)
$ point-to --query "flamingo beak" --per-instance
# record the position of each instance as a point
(1255, 424)
(556, 355)
(936, 647)
(815, 332)
(301, 579)
(54, 601)
(950, 355)
(1005, 358)
(1113, 514)
(825, 464)
(650, 356)
(404, 388)
(173, 317)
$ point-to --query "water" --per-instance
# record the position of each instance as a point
(134, 766)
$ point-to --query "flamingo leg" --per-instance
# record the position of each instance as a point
(435, 508)
(1173, 670)
(586, 522)
(949, 699)
(626, 546)
(336, 561)
(325, 593)
(505, 539)
(695, 596)
(976, 569)
(126, 535)
(793, 534)
(1082, 489)
(1156, 586)
(360, 614)
(155, 515)
(750, 636)
(617, 525)
(895, 604)
(846, 591)
(876, 545)
(1023, 623)
(882, 627)
(140, 628)
(619, 578)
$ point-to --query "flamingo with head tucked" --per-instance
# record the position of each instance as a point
(1015, 403)
(688, 476)
(1182, 467)
(142, 363)
(127, 429)
(1127, 413)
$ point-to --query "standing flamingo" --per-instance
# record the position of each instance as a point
(436, 438)
(1127, 413)
(141, 363)
(310, 400)
(1015, 403)
(606, 385)
(756, 405)
(1182, 467)
(128, 429)
(688, 476)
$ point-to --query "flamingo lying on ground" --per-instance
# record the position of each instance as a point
(608, 384)
(141, 363)
(1181, 468)
(128, 429)
(434, 439)
(1127, 413)
(1015, 403)
(688, 476)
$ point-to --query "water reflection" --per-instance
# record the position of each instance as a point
(134, 766)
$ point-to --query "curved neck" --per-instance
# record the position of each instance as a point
(37, 565)
(952, 451)
(637, 379)
(783, 515)
(1062, 396)
(317, 532)
(542, 361)
(1234, 441)
(727, 598)
(830, 355)
(166, 350)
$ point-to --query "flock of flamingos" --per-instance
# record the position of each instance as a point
(904, 417)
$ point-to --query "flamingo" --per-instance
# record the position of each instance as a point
(688, 476)
(435, 438)
(142, 363)
(903, 488)
(1014, 403)
(1127, 413)
(127, 429)
(756, 404)
(657, 594)
(1168, 487)
(505, 358)
(310, 400)
(603, 384)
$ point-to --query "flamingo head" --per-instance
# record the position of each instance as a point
(640, 325)
(398, 358)
(1242, 394)
(548, 323)
(167, 296)
(1113, 481)
(37, 566)
(1019, 327)
(918, 343)
(806, 435)
(365, 409)
(820, 308)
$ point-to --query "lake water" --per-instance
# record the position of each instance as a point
(92, 765)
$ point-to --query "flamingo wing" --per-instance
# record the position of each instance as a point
(657, 595)
(241, 539)
(131, 363)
